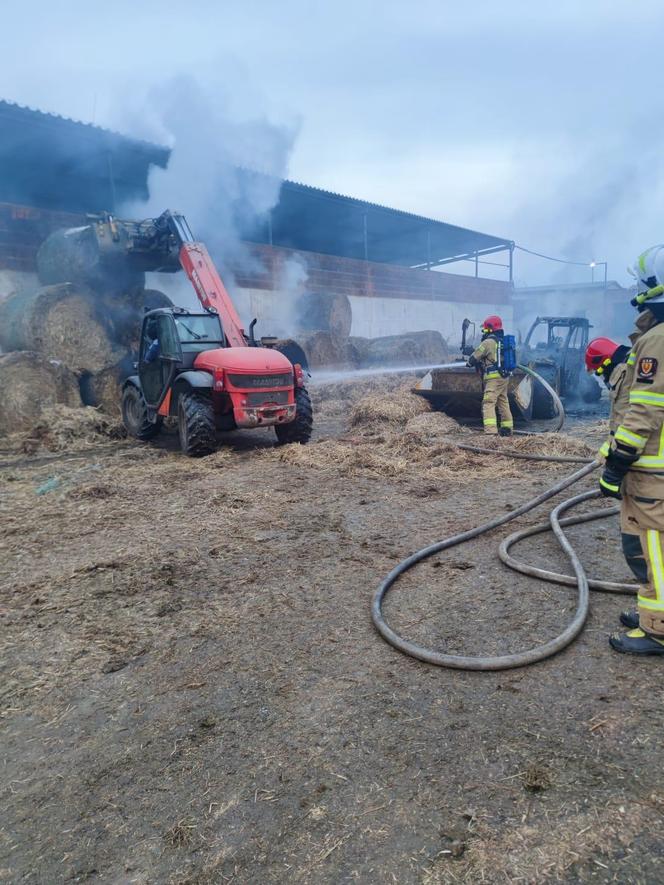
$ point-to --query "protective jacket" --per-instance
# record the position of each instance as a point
(618, 394)
(619, 384)
(641, 426)
(486, 357)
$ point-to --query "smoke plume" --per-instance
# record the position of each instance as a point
(224, 174)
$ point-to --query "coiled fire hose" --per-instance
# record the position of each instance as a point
(553, 646)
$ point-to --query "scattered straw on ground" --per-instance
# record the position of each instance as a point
(406, 453)
(62, 428)
(433, 424)
(336, 398)
(395, 408)
(537, 444)
(531, 853)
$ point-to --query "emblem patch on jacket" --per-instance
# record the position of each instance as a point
(647, 368)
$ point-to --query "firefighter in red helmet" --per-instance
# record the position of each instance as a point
(613, 363)
(488, 359)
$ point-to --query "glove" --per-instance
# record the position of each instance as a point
(618, 462)
(471, 362)
(467, 350)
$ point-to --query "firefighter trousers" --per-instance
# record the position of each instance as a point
(646, 515)
(495, 399)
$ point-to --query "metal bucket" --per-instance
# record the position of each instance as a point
(457, 390)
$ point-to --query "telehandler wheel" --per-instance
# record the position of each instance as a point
(299, 430)
(196, 425)
(135, 415)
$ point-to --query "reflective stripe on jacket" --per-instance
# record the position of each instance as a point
(641, 425)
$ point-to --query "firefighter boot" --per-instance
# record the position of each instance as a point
(637, 642)
(630, 618)
(505, 431)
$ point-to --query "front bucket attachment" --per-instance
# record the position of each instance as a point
(457, 391)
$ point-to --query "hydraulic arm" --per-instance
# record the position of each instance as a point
(199, 267)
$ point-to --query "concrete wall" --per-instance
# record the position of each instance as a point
(386, 299)
(374, 317)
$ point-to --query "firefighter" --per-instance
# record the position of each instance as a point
(634, 469)
(614, 363)
(487, 358)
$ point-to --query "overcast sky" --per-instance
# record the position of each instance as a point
(535, 121)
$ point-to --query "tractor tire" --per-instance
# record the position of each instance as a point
(299, 430)
(135, 415)
(196, 425)
(543, 404)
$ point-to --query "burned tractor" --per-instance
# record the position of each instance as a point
(555, 348)
(457, 389)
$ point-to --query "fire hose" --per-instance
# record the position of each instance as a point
(555, 524)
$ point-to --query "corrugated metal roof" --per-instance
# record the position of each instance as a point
(316, 220)
(16, 111)
(52, 162)
(75, 166)
(381, 206)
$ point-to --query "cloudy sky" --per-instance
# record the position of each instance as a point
(536, 121)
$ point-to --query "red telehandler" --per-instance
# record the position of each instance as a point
(200, 366)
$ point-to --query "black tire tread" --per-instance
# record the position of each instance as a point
(146, 429)
(199, 416)
(299, 430)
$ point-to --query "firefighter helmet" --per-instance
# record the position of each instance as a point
(492, 324)
(649, 273)
(599, 354)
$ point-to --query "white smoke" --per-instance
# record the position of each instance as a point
(215, 138)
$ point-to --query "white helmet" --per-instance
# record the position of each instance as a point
(649, 272)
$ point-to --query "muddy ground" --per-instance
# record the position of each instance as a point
(193, 691)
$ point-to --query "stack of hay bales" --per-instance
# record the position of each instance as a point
(73, 340)
(324, 323)
(30, 383)
(412, 349)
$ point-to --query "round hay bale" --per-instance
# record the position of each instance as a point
(103, 390)
(320, 350)
(292, 351)
(62, 322)
(125, 313)
(323, 351)
(361, 348)
(325, 312)
(349, 355)
(412, 348)
(29, 384)
(73, 256)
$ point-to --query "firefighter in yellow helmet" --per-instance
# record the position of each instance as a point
(487, 358)
(634, 469)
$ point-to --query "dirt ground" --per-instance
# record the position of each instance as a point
(193, 691)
